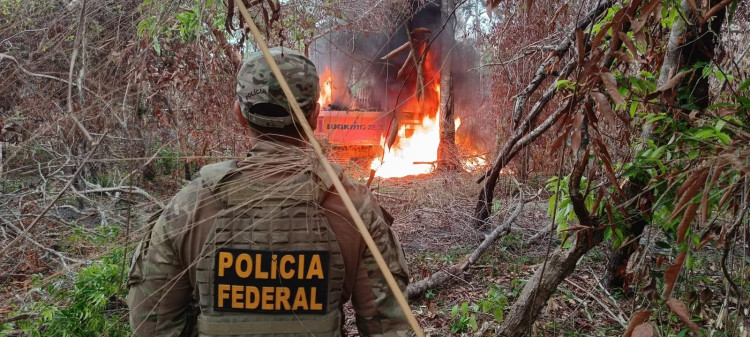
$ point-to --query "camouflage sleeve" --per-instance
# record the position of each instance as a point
(378, 312)
(160, 287)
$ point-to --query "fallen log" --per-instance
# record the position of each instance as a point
(442, 277)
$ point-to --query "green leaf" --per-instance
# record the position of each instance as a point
(663, 245)
(562, 84)
(705, 134)
(157, 47)
(473, 323)
(720, 124)
(744, 85)
(498, 313)
(723, 137)
(657, 118)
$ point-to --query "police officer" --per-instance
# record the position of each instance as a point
(264, 246)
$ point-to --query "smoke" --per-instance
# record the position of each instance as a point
(363, 81)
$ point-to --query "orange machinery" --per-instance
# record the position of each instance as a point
(360, 134)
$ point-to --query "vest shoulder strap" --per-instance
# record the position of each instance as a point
(323, 177)
(213, 173)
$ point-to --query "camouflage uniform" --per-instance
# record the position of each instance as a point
(162, 279)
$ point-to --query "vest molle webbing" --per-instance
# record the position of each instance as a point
(271, 265)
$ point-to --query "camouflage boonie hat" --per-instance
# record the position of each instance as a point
(257, 84)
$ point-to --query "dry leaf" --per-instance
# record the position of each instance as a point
(643, 330)
(637, 319)
(625, 57)
(605, 108)
(608, 168)
(580, 45)
(682, 313)
(600, 35)
(673, 81)
(575, 141)
(529, 3)
(611, 83)
(706, 239)
(490, 5)
(631, 46)
(647, 9)
(704, 200)
(687, 218)
(670, 275)
(688, 190)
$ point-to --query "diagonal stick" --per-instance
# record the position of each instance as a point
(59, 194)
(331, 173)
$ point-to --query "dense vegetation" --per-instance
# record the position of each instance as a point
(626, 121)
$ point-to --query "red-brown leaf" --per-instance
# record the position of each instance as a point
(643, 330)
(687, 218)
(682, 313)
(631, 46)
(491, 4)
(636, 25)
(605, 108)
(581, 46)
(558, 142)
(647, 9)
(608, 168)
(611, 83)
(705, 240)
(672, 82)
(670, 275)
(722, 236)
(637, 319)
(706, 191)
(575, 141)
(599, 36)
(689, 189)
(529, 3)
(727, 194)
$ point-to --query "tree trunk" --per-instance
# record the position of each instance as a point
(677, 56)
(561, 263)
(448, 156)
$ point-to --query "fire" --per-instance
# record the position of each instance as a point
(326, 92)
(415, 148)
(415, 152)
(412, 155)
(475, 161)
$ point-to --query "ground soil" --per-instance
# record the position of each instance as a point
(433, 221)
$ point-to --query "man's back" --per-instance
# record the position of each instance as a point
(168, 270)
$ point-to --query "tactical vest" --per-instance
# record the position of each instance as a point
(271, 265)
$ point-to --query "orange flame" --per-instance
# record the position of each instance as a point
(326, 92)
(416, 151)
(474, 161)
(412, 155)
(418, 135)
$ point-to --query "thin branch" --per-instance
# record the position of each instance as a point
(417, 288)
(126, 189)
(59, 194)
(70, 73)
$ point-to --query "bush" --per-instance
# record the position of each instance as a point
(93, 305)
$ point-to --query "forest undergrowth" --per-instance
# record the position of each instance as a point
(84, 293)
(626, 123)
